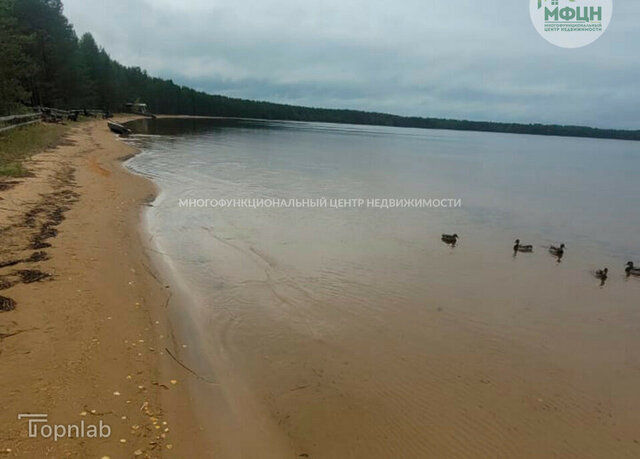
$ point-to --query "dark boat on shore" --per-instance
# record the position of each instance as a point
(118, 128)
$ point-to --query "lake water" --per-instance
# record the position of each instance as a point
(355, 332)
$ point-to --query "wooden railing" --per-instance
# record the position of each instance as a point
(44, 114)
(11, 122)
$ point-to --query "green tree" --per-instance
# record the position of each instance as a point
(53, 49)
(15, 63)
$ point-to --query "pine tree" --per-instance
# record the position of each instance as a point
(15, 65)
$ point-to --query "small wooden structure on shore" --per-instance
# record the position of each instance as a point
(138, 108)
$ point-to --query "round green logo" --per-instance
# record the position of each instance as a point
(571, 23)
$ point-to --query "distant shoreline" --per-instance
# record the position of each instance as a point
(452, 125)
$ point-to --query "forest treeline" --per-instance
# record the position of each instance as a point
(44, 63)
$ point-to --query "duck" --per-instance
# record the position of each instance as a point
(632, 270)
(557, 251)
(602, 274)
(450, 238)
(522, 248)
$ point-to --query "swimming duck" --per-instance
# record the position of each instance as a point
(522, 248)
(632, 270)
(450, 238)
(557, 251)
(602, 273)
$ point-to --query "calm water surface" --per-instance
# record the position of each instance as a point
(362, 303)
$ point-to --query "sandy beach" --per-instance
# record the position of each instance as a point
(86, 340)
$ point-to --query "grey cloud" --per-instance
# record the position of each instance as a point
(463, 59)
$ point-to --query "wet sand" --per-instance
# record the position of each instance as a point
(513, 371)
(86, 340)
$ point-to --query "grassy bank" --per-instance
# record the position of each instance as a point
(21, 143)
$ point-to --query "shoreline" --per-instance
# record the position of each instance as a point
(240, 425)
(86, 342)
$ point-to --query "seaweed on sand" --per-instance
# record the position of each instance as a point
(37, 256)
(27, 276)
(7, 304)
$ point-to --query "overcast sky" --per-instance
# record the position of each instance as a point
(470, 59)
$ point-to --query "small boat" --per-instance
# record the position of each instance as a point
(557, 251)
(522, 248)
(632, 270)
(118, 128)
(450, 238)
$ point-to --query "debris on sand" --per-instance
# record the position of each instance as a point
(27, 276)
(32, 232)
(46, 232)
(37, 256)
(4, 264)
(7, 184)
(40, 221)
(38, 244)
(4, 283)
(56, 216)
(7, 304)
(30, 216)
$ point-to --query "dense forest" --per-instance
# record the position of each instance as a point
(44, 63)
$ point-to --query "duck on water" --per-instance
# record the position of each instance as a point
(557, 251)
(522, 247)
(603, 275)
(450, 238)
(632, 270)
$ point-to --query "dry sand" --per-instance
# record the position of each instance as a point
(86, 341)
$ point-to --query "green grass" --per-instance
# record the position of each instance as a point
(21, 143)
